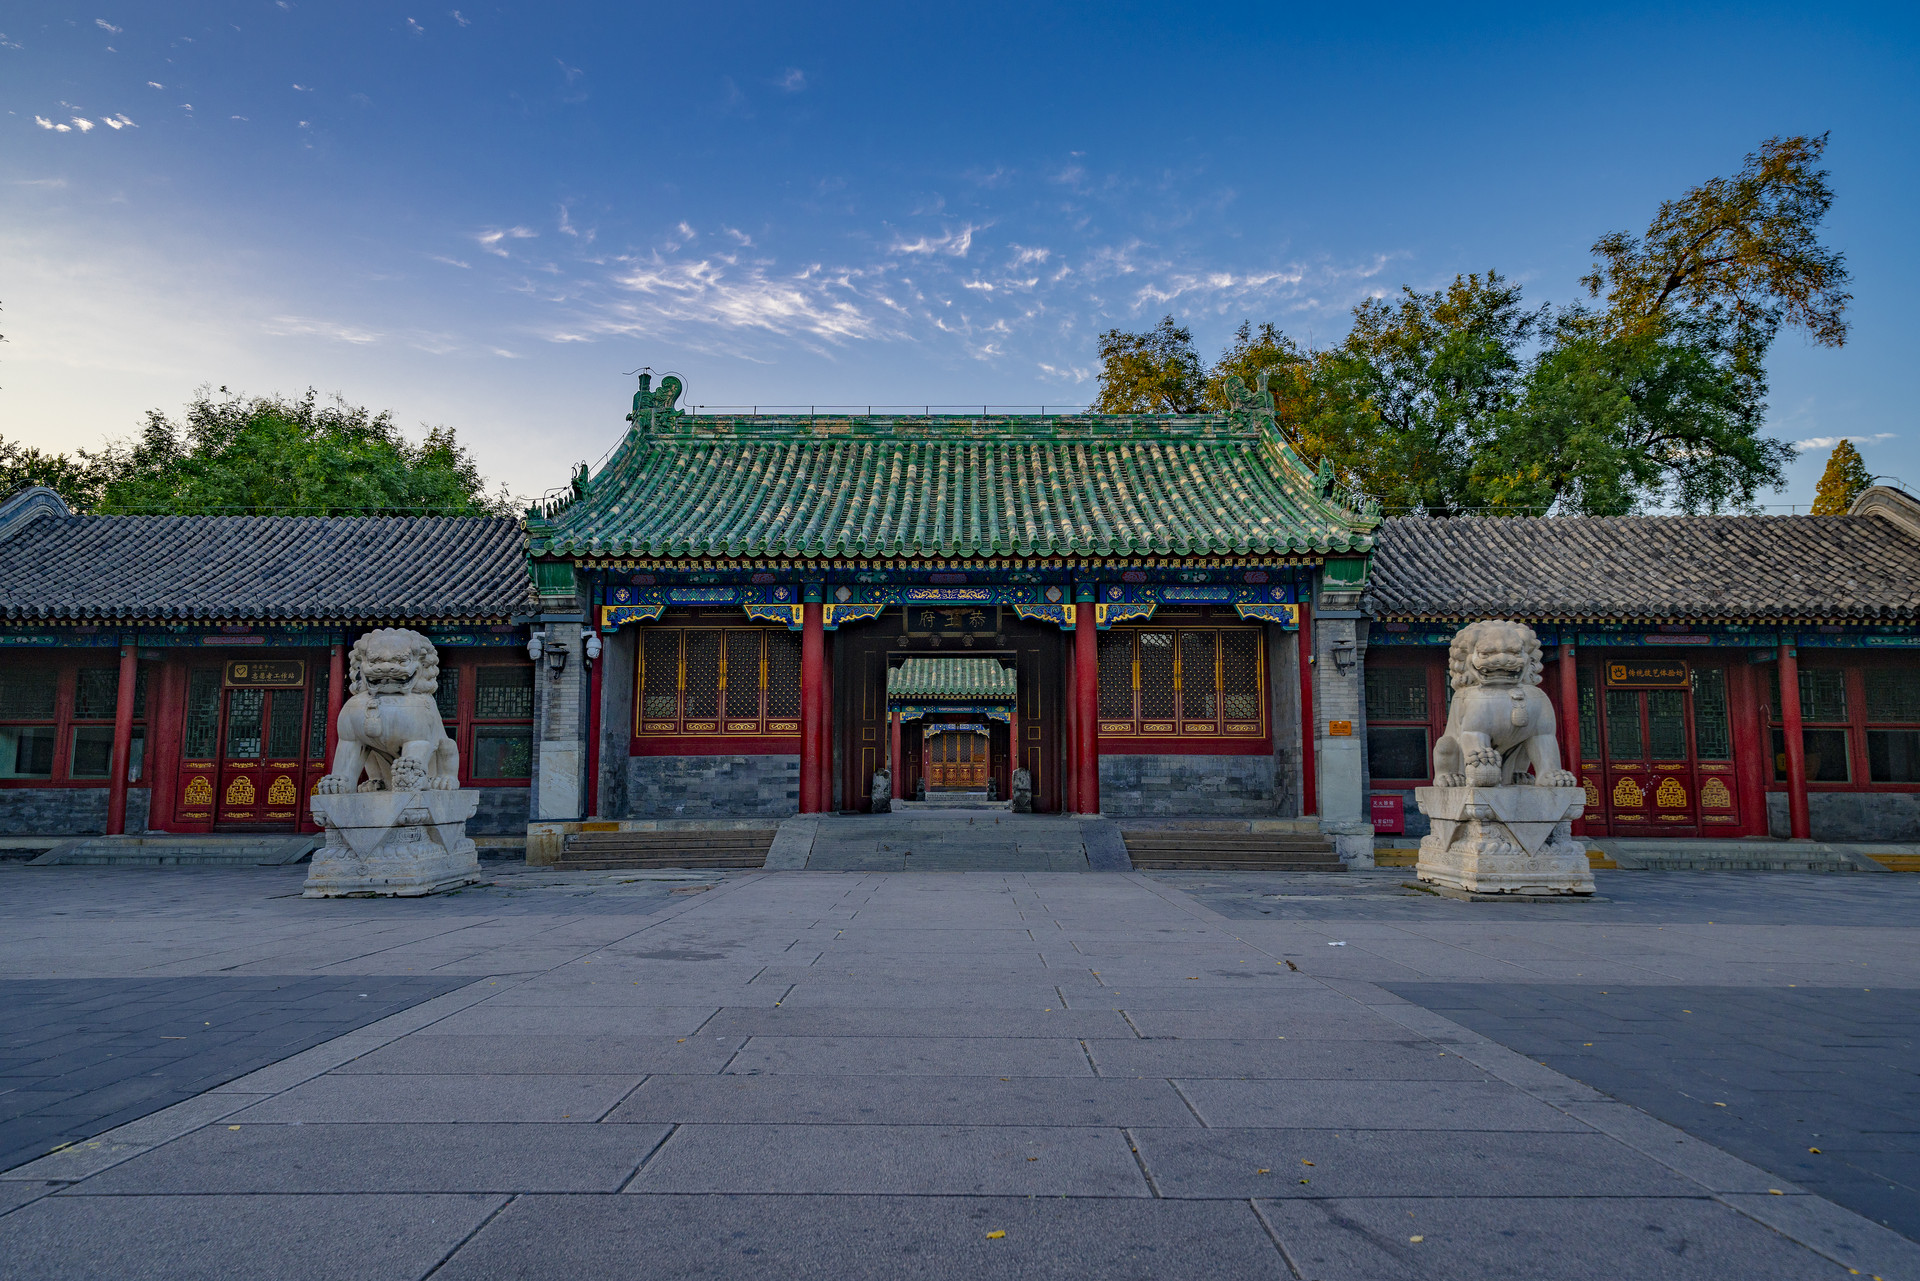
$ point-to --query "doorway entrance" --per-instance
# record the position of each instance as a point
(957, 760)
(1661, 748)
(253, 744)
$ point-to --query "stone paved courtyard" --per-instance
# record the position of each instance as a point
(982, 1074)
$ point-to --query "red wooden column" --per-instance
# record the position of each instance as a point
(1799, 825)
(1309, 800)
(896, 763)
(593, 732)
(122, 739)
(812, 701)
(1570, 715)
(1070, 772)
(826, 719)
(336, 695)
(1752, 752)
(1086, 699)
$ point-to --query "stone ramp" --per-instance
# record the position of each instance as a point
(950, 840)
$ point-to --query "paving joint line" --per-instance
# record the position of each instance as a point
(1126, 1133)
(647, 1157)
(1189, 1102)
(461, 1243)
(1273, 1235)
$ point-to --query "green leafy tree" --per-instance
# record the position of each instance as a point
(265, 455)
(1844, 480)
(1251, 354)
(1156, 372)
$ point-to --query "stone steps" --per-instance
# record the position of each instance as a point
(619, 851)
(211, 850)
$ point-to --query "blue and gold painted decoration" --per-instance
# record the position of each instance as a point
(1059, 614)
(835, 613)
(613, 617)
(1260, 611)
(1105, 615)
(792, 616)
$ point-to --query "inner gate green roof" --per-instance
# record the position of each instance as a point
(702, 486)
(975, 679)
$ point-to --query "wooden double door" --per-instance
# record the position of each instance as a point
(1658, 760)
(957, 761)
(253, 744)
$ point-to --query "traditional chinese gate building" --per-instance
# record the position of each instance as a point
(1161, 591)
(183, 674)
(1669, 642)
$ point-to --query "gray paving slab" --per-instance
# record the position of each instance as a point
(1451, 1238)
(817, 1238)
(472, 1157)
(85, 1055)
(418, 1097)
(1408, 1105)
(915, 1056)
(236, 1238)
(916, 1160)
(1046, 1023)
(14, 1195)
(550, 1055)
(554, 1019)
(1339, 1023)
(1346, 1163)
(1709, 1060)
(906, 1100)
(1411, 1059)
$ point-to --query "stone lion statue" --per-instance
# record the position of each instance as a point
(1500, 722)
(391, 727)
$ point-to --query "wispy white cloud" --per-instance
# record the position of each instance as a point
(107, 27)
(416, 28)
(490, 239)
(451, 262)
(1828, 442)
(455, 15)
(792, 80)
(155, 84)
(306, 327)
(952, 243)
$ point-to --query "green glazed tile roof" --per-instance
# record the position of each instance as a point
(1084, 485)
(978, 679)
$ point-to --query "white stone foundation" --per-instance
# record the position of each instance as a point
(1504, 840)
(393, 843)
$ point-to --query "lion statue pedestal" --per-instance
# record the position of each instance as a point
(1501, 806)
(402, 830)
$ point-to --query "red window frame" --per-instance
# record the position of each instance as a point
(1433, 663)
(1136, 732)
(767, 731)
(1857, 668)
(464, 726)
(66, 668)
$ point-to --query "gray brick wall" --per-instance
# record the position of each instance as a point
(503, 812)
(1852, 816)
(66, 811)
(1224, 786)
(712, 787)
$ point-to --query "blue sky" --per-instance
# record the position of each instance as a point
(485, 216)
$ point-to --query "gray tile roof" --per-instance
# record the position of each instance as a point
(1646, 567)
(182, 568)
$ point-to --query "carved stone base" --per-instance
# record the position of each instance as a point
(1504, 840)
(393, 843)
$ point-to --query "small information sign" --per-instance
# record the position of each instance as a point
(1389, 814)
(1339, 729)
(1646, 673)
(266, 673)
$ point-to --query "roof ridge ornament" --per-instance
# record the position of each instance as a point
(649, 403)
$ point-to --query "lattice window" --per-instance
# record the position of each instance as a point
(447, 696)
(737, 680)
(203, 715)
(1712, 739)
(1116, 675)
(1240, 675)
(660, 674)
(503, 692)
(1823, 693)
(1624, 740)
(1168, 683)
(1156, 676)
(246, 712)
(1589, 718)
(703, 676)
(317, 716)
(1199, 676)
(95, 692)
(27, 693)
(1396, 694)
(1667, 724)
(1893, 694)
(286, 718)
(783, 675)
(743, 677)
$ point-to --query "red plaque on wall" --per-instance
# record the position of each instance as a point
(1388, 813)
